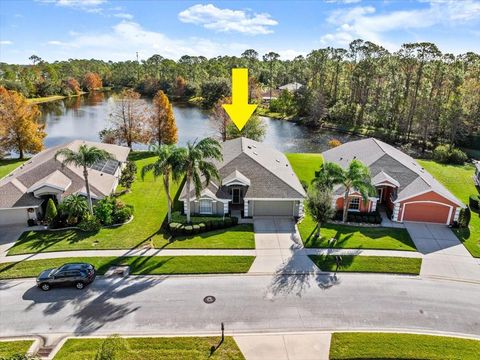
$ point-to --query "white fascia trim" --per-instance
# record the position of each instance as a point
(21, 207)
(389, 184)
(32, 189)
(235, 182)
(426, 191)
(372, 198)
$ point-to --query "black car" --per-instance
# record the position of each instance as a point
(71, 274)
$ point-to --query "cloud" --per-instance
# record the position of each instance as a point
(6, 42)
(364, 22)
(92, 6)
(127, 37)
(290, 54)
(227, 20)
(124, 16)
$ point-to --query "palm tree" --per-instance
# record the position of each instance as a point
(193, 161)
(163, 167)
(355, 177)
(85, 156)
(74, 206)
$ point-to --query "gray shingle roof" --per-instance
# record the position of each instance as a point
(380, 156)
(270, 173)
(43, 167)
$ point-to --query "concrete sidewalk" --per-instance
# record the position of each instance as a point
(308, 346)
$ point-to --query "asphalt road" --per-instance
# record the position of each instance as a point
(174, 305)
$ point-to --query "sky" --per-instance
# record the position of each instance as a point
(117, 30)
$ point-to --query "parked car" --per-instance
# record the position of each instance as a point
(71, 274)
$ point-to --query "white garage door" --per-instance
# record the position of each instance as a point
(273, 208)
(13, 216)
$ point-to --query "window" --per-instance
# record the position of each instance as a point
(354, 204)
(205, 206)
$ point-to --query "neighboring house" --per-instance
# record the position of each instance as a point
(476, 176)
(408, 191)
(266, 95)
(292, 87)
(23, 192)
(256, 180)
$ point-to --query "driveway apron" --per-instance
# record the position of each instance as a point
(444, 255)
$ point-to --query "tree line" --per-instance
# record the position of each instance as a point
(416, 95)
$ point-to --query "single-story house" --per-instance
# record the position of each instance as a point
(402, 185)
(292, 87)
(23, 192)
(255, 180)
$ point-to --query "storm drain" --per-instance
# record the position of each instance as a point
(210, 299)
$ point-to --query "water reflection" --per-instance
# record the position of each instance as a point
(84, 117)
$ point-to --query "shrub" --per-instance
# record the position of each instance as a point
(457, 156)
(464, 218)
(334, 143)
(104, 210)
(51, 211)
(473, 202)
(90, 223)
(121, 215)
(128, 175)
(447, 155)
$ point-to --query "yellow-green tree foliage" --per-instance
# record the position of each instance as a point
(162, 128)
(20, 130)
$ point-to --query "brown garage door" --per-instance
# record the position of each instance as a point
(426, 212)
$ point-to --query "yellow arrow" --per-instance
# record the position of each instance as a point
(239, 110)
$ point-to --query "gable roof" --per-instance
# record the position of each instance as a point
(291, 86)
(268, 171)
(43, 170)
(381, 157)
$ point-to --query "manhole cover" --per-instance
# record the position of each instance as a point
(209, 299)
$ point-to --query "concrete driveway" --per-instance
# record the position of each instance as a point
(8, 235)
(279, 247)
(444, 255)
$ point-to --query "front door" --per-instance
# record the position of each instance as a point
(236, 193)
(380, 195)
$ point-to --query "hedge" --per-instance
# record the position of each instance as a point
(177, 229)
(473, 201)
(373, 217)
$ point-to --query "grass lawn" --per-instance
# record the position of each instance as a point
(176, 348)
(458, 179)
(8, 165)
(139, 265)
(371, 264)
(355, 237)
(150, 204)
(10, 348)
(401, 346)
(305, 165)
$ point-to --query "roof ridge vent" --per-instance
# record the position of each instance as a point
(256, 153)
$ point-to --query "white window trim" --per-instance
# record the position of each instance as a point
(200, 207)
(350, 204)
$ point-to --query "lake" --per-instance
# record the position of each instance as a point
(84, 117)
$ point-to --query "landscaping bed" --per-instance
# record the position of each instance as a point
(355, 237)
(458, 179)
(174, 348)
(9, 349)
(401, 346)
(370, 264)
(139, 265)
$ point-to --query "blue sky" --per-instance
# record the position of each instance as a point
(116, 30)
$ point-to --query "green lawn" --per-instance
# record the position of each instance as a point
(150, 206)
(305, 165)
(401, 346)
(139, 265)
(8, 165)
(371, 264)
(355, 237)
(458, 179)
(176, 348)
(10, 348)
